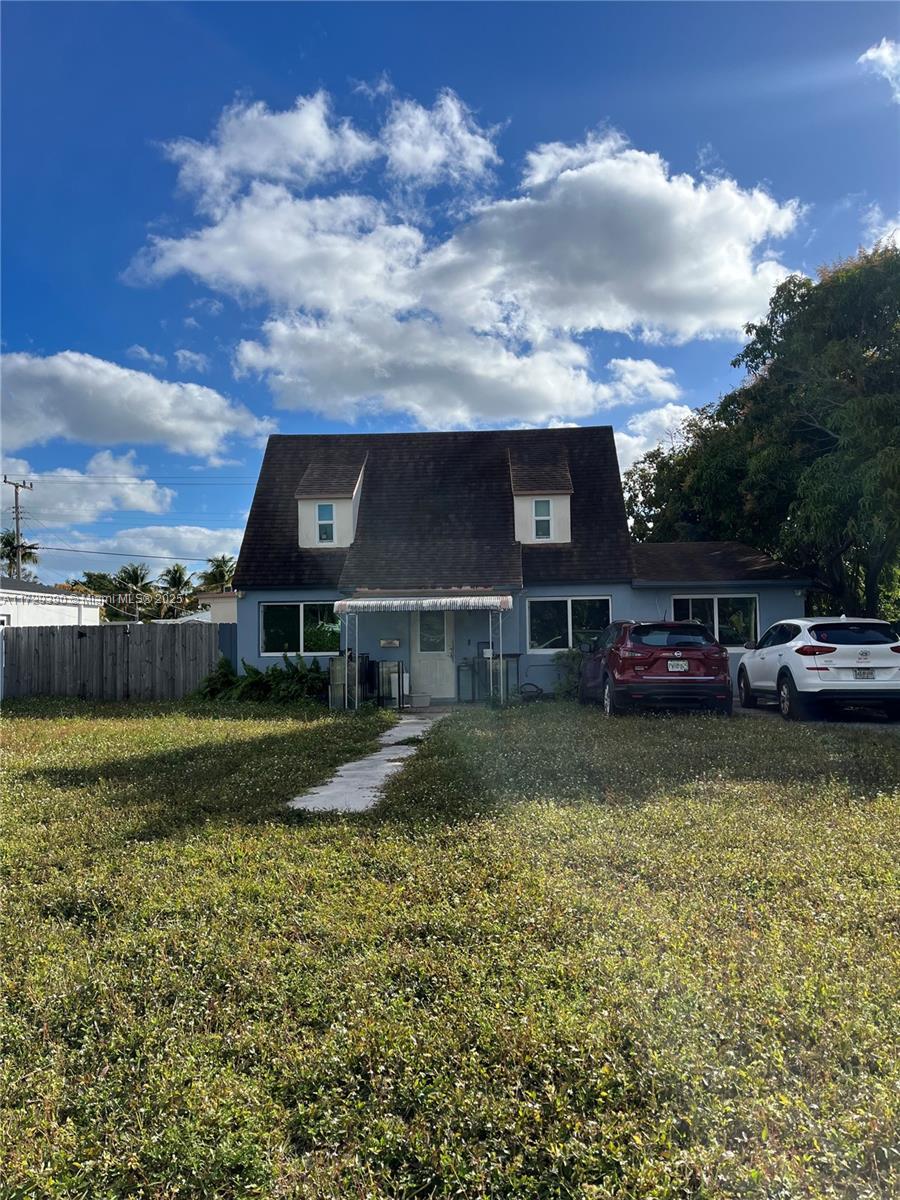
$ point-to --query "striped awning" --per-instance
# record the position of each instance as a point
(424, 604)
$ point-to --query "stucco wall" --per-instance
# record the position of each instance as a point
(20, 611)
(470, 628)
(343, 522)
(560, 519)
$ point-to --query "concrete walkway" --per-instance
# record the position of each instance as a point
(357, 785)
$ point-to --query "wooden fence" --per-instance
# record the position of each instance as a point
(109, 662)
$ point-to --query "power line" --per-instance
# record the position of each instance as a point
(127, 553)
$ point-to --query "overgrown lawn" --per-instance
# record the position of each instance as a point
(566, 957)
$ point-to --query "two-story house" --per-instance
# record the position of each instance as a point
(433, 549)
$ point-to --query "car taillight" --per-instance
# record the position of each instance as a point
(895, 649)
(810, 651)
(625, 652)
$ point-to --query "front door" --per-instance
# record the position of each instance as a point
(432, 670)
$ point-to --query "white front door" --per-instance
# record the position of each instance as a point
(432, 670)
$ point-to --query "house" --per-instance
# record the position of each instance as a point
(222, 606)
(25, 603)
(434, 549)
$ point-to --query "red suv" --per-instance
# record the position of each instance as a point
(658, 663)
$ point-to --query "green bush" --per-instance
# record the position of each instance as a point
(278, 684)
(568, 664)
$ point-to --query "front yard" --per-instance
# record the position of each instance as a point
(567, 957)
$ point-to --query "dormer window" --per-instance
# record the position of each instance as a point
(542, 528)
(325, 523)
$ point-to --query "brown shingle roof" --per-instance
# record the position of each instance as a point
(326, 479)
(539, 469)
(436, 511)
(707, 562)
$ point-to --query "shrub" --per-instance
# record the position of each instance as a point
(568, 664)
(279, 684)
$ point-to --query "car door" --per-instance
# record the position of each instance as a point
(761, 662)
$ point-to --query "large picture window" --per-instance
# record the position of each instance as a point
(563, 624)
(298, 629)
(733, 620)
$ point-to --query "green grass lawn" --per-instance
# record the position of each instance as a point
(566, 957)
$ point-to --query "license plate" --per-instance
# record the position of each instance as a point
(863, 672)
(677, 664)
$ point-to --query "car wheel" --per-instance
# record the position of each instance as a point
(726, 707)
(745, 691)
(892, 708)
(610, 707)
(791, 705)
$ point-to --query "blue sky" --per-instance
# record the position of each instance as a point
(221, 220)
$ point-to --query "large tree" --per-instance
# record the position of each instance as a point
(219, 574)
(8, 546)
(803, 459)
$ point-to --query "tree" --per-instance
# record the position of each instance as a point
(175, 582)
(220, 573)
(803, 458)
(133, 577)
(8, 551)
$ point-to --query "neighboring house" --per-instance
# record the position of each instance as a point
(434, 546)
(222, 605)
(190, 618)
(25, 603)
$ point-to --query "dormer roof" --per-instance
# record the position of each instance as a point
(322, 480)
(538, 469)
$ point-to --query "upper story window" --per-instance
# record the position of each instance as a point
(325, 523)
(542, 521)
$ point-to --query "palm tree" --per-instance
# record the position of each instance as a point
(8, 551)
(176, 584)
(220, 573)
(176, 579)
(133, 577)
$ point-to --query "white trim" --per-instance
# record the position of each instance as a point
(423, 604)
(302, 652)
(568, 599)
(320, 523)
(536, 500)
(716, 597)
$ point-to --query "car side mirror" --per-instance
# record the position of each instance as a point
(749, 645)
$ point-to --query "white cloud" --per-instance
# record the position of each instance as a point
(192, 360)
(84, 399)
(108, 484)
(323, 253)
(484, 325)
(884, 59)
(878, 227)
(190, 544)
(299, 147)
(648, 429)
(145, 355)
(427, 146)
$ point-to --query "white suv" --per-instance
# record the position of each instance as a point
(808, 660)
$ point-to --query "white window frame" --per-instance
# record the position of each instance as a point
(320, 522)
(302, 652)
(536, 500)
(716, 597)
(568, 599)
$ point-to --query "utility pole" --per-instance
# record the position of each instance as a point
(17, 486)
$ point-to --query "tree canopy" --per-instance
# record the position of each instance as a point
(803, 458)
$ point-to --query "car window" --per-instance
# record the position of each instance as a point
(769, 637)
(855, 633)
(790, 632)
(668, 635)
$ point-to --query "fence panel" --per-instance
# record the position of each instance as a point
(109, 662)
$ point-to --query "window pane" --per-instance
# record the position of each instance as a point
(858, 633)
(326, 512)
(321, 629)
(737, 620)
(542, 508)
(703, 609)
(281, 628)
(681, 609)
(431, 632)
(589, 619)
(326, 533)
(548, 624)
(542, 529)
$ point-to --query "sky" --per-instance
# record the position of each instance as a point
(226, 220)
